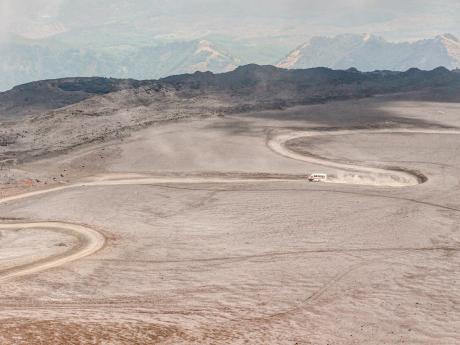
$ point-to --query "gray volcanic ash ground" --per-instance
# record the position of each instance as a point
(195, 231)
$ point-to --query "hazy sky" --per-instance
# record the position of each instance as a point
(394, 19)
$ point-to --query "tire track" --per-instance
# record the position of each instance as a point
(91, 240)
(354, 173)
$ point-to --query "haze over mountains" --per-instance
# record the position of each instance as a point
(369, 53)
(26, 60)
(150, 39)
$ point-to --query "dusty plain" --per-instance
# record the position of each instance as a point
(211, 237)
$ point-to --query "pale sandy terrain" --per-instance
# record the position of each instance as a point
(213, 236)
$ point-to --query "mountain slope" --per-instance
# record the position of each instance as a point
(247, 86)
(42, 96)
(103, 114)
(23, 61)
(177, 58)
(27, 60)
(368, 53)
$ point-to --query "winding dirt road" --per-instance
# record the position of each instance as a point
(352, 173)
(91, 241)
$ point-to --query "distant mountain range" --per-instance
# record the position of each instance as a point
(24, 60)
(370, 53)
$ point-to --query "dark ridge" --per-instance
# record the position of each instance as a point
(270, 77)
(267, 87)
(250, 87)
(41, 96)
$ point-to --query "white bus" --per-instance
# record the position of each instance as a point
(317, 177)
